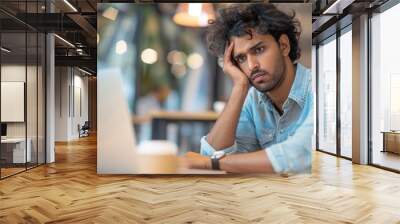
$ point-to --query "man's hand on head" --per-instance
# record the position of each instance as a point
(230, 68)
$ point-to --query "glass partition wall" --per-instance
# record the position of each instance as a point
(385, 89)
(334, 94)
(22, 77)
(13, 89)
(335, 108)
(327, 95)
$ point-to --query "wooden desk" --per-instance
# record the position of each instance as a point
(391, 141)
(161, 119)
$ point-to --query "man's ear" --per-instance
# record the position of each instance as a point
(284, 44)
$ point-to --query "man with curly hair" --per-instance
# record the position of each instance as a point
(267, 123)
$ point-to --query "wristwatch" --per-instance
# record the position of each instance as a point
(216, 156)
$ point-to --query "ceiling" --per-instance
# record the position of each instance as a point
(76, 24)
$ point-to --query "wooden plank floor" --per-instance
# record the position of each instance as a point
(70, 191)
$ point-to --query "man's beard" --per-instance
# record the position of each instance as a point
(275, 81)
(267, 86)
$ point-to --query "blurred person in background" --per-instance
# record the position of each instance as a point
(159, 97)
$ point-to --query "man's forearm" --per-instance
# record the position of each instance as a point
(254, 162)
(222, 135)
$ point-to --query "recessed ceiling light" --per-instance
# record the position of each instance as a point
(84, 71)
(70, 5)
(64, 40)
(337, 7)
(5, 50)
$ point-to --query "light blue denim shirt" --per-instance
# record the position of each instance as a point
(286, 139)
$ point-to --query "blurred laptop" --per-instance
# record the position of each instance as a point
(116, 144)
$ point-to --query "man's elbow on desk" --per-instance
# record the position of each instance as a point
(261, 161)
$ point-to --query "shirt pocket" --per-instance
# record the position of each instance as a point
(266, 137)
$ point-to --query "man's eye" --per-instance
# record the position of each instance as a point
(241, 59)
(259, 50)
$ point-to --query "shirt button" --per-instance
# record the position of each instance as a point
(281, 131)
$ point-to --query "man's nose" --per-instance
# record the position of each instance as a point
(253, 63)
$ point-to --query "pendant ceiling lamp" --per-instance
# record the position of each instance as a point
(194, 14)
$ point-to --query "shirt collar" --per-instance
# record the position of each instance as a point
(298, 91)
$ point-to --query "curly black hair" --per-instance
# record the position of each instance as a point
(264, 18)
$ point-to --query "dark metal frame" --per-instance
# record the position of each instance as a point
(369, 90)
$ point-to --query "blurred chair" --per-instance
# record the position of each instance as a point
(84, 130)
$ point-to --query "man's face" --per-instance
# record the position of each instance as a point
(261, 58)
(163, 92)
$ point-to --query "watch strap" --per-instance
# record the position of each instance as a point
(215, 163)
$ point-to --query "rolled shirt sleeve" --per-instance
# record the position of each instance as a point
(245, 140)
(207, 150)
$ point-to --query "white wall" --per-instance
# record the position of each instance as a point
(12, 73)
(70, 83)
(33, 126)
(62, 81)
